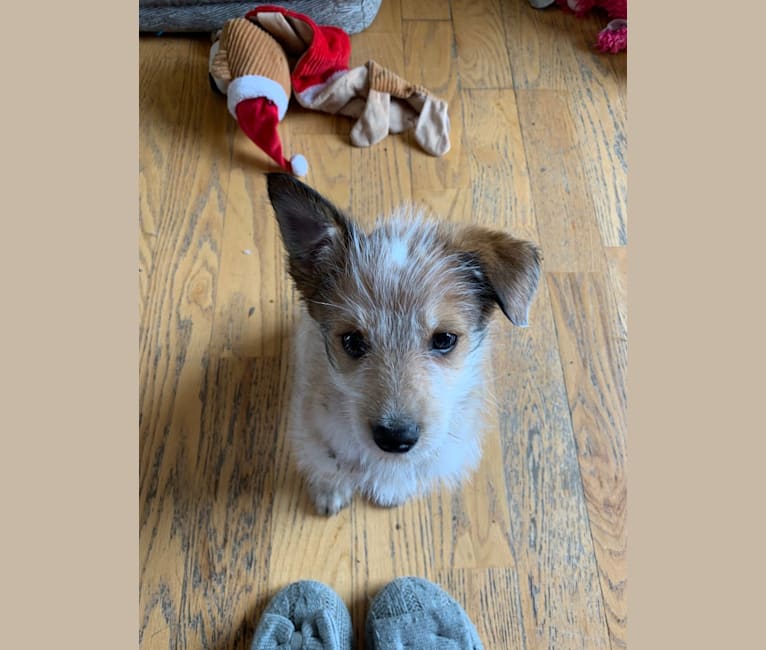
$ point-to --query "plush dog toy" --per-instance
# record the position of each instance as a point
(250, 64)
(379, 100)
(250, 68)
(614, 37)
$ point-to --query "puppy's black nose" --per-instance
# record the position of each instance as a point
(397, 437)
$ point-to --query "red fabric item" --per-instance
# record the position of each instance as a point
(328, 53)
(613, 8)
(259, 118)
(614, 38)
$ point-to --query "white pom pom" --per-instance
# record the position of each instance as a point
(299, 165)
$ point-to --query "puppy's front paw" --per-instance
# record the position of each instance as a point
(389, 501)
(330, 501)
(393, 494)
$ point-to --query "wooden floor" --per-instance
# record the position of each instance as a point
(535, 546)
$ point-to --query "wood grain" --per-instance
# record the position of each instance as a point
(380, 178)
(500, 180)
(550, 535)
(492, 599)
(309, 122)
(617, 265)
(553, 50)
(593, 356)
(481, 49)
(534, 546)
(429, 60)
(564, 208)
(389, 19)
(453, 205)
(425, 10)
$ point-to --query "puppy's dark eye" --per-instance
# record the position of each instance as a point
(443, 342)
(354, 344)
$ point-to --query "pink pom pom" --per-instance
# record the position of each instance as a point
(614, 37)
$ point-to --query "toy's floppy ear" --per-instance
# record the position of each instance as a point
(508, 267)
(312, 228)
(219, 57)
(219, 66)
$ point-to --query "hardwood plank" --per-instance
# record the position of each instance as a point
(492, 599)
(465, 528)
(196, 572)
(329, 165)
(545, 56)
(600, 123)
(228, 558)
(300, 120)
(383, 47)
(560, 593)
(426, 10)
(387, 543)
(472, 528)
(554, 50)
(388, 19)
(178, 281)
(500, 181)
(380, 179)
(617, 264)
(434, 67)
(160, 87)
(222, 442)
(593, 355)
(251, 309)
(306, 546)
(619, 64)
(566, 221)
(177, 327)
(481, 50)
(454, 205)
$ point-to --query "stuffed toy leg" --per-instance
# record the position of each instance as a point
(379, 100)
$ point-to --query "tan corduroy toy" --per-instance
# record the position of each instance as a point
(380, 101)
(251, 69)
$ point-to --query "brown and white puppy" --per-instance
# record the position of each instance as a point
(391, 345)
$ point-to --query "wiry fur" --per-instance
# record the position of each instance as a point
(397, 285)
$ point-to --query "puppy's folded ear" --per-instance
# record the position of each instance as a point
(311, 228)
(508, 267)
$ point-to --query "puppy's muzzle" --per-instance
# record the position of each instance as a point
(396, 437)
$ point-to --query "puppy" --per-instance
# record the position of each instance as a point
(391, 345)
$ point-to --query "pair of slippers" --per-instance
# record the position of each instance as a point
(407, 613)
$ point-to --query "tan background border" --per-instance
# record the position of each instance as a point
(69, 450)
(695, 524)
(69, 455)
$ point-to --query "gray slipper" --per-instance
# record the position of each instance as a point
(415, 613)
(305, 615)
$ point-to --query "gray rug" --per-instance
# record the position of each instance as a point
(352, 16)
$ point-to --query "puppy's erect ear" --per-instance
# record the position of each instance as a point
(510, 267)
(310, 225)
